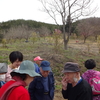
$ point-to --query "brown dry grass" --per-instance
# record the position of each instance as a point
(89, 46)
(58, 96)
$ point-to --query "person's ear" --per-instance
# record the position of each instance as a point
(76, 74)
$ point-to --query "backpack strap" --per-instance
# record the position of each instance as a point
(10, 89)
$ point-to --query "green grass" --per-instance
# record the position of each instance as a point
(58, 87)
(45, 49)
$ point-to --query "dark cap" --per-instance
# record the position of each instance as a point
(71, 67)
(45, 65)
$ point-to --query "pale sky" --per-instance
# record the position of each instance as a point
(28, 10)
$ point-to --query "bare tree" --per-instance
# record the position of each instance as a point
(18, 32)
(96, 31)
(26, 32)
(67, 10)
(96, 24)
(85, 29)
(44, 31)
(10, 34)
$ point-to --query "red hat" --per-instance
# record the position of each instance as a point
(37, 58)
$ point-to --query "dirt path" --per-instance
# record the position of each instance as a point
(88, 47)
(58, 96)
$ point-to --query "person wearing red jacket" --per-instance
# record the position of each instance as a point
(15, 89)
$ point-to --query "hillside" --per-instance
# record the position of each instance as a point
(30, 23)
(45, 49)
(28, 40)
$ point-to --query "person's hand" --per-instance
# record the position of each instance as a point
(64, 83)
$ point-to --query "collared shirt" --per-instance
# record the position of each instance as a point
(79, 80)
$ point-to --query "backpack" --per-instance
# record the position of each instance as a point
(95, 84)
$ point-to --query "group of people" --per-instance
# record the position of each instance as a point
(39, 78)
(19, 74)
(76, 86)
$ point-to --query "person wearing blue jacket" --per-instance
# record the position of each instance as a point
(37, 61)
(37, 69)
(42, 88)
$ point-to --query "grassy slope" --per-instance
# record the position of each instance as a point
(57, 57)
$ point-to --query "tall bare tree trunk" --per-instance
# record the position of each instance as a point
(67, 8)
